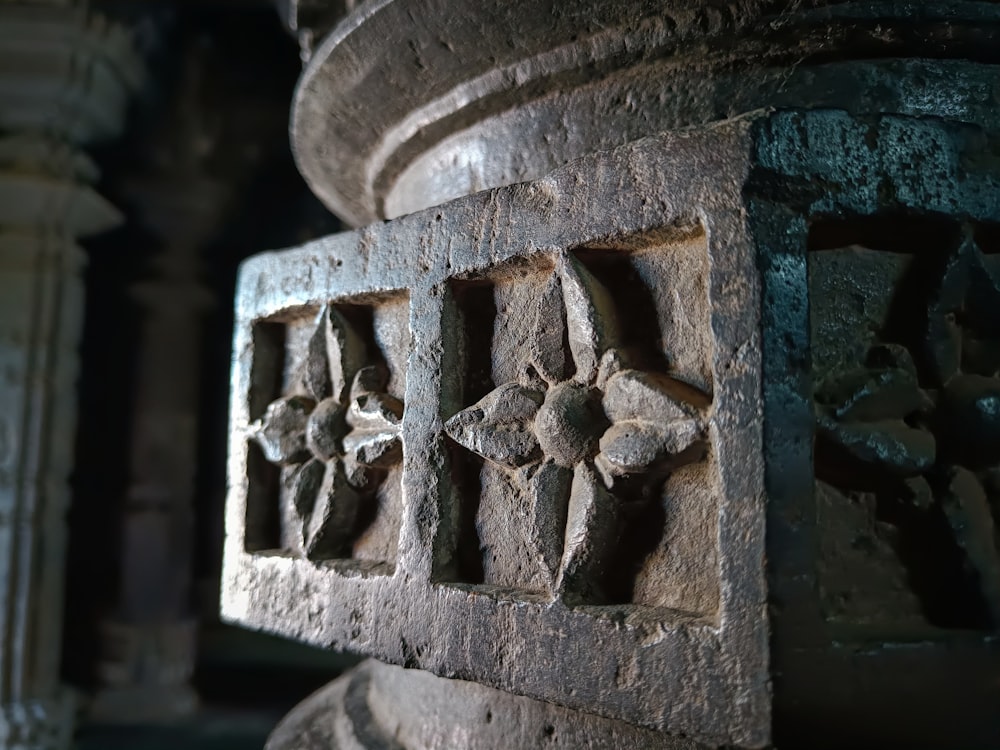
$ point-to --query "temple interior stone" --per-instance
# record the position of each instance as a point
(422, 374)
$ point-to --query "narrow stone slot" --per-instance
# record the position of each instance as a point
(263, 517)
(477, 312)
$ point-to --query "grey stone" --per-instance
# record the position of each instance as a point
(281, 432)
(451, 108)
(547, 525)
(888, 443)
(385, 707)
(499, 427)
(893, 597)
(788, 252)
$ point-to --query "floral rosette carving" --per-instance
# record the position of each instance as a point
(578, 426)
(336, 433)
(934, 425)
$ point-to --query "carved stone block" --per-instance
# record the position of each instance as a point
(328, 447)
(570, 504)
(598, 388)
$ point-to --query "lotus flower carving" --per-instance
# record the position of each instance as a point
(334, 433)
(577, 425)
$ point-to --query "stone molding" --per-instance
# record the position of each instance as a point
(408, 103)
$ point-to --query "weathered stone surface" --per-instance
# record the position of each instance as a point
(853, 253)
(500, 427)
(525, 359)
(500, 93)
(801, 208)
(387, 708)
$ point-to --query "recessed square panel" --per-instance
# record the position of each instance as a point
(584, 451)
(325, 446)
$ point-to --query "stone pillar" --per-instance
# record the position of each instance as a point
(65, 76)
(660, 384)
(150, 643)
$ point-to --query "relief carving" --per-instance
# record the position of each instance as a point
(918, 421)
(582, 433)
(335, 433)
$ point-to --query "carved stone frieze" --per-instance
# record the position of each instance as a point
(879, 319)
(608, 370)
(585, 438)
(576, 470)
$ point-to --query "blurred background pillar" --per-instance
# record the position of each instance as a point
(65, 79)
(149, 645)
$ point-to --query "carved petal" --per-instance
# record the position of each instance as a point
(499, 427)
(891, 444)
(370, 379)
(306, 486)
(548, 352)
(281, 433)
(548, 497)
(375, 411)
(376, 419)
(327, 531)
(944, 336)
(633, 447)
(590, 317)
(335, 354)
(632, 394)
(968, 512)
(593, 526)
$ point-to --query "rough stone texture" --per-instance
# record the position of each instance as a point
(389, 708)
(601, 364)
(875, 287)
(905, 369)
(47, 108)
(877, 239)
(541, 571)
(502, 92)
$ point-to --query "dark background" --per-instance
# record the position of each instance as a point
(214, 111)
